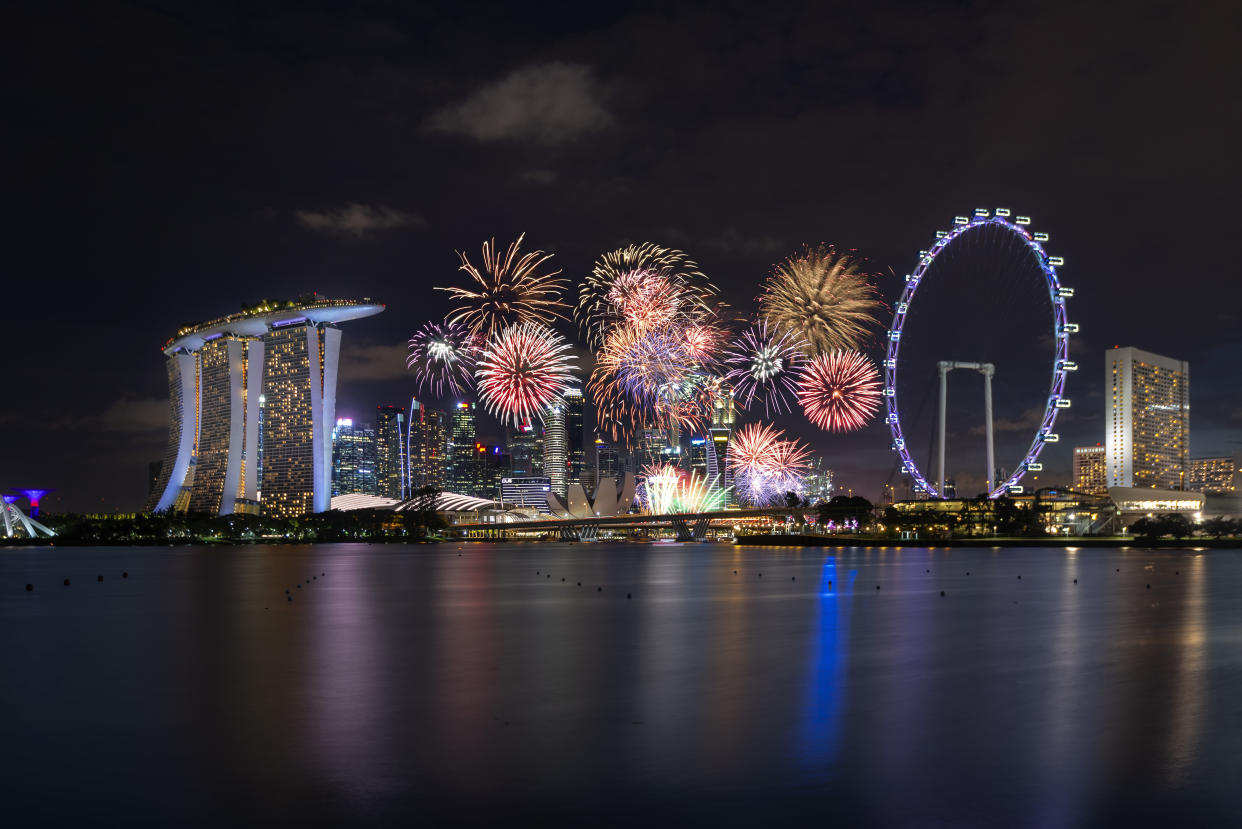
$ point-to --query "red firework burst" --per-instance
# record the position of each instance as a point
(839, 391)
(522, 370)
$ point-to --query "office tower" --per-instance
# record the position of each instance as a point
(696, 457)
(1213, 476)
(524, 448)
(390, 480)
(493, 464)
(354, 453)
(575, 434)
(1090, 465)
(817, 482)
(427, 447)
(463, 471)
(721, 434)
(1147, 418)
(556, 448)
(529, 491)
(273, 363)
(609, 461)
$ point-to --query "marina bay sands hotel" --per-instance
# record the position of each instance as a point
(253, 399)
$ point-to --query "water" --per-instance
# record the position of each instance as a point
(413, 684)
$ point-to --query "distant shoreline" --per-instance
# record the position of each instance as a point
(1102, 543)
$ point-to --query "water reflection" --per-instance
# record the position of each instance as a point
(819, 735)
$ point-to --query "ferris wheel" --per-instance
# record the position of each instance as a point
(1014, 230)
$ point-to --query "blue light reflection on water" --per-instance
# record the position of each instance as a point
(820, 731)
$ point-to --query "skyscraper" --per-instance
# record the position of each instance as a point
(463, 476)
(1090, 470)
(1147, 418)
(427, 447)
(721, 434)
(556, 448)
(390, 479)
(525, 449)
(274, 363)
(354, 452)
(575, 434)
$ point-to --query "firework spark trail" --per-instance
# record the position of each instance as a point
(667, 490)
(764, 364)
(765, 465)
(508, 290)
(636, 282)
(824, 297)
(442, 358)
(840, 391)
(522, 370)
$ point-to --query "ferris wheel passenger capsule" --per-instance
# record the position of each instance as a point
(1035, 467)
(981, 212)
(1022, 220)
(1070, 328)
(1056, 261)
(1062, 403)
(1067, 365)
(940, 234)
(1040, 237)
(1062, 291)
(1002, 211)
(1051, 437)
(1016, 489)
(960, 220)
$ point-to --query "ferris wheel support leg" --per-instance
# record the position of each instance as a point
(944, 393)
(988, 371)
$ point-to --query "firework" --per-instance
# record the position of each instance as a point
(666, 490)
(765, 465)
(615, 414)
(764, 364)
(824, 298)
(839, 391)
(646, 364)
(510, 289)
(523, 369)
(640, 283)
(442, 357)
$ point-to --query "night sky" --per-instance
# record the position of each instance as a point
(168, 162)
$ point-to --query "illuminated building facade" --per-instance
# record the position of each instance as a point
(463, 475)
(1147, 419)
(817, 483)
(390, 480)
(1213, 476)
(426, 446)
(253, 401)
(556, 448)
(1091, 470)
(529, 491)
(721, 434)
(575, 435)
(354, 459)
(525, 448)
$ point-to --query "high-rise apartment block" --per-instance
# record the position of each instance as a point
(253, 399)
(1213, 476)
(1147, 419)
(390, 467)
(1090, 470)
(427, 447)
(525, 449)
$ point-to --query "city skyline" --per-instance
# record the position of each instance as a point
(283, 222)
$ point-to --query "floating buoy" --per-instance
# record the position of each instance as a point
(125, 575)
(793, 578)
(1019, 578)
(99, 578)
(1075, 581)
(877, 587)
(562, 578)
(30, 588)
(941, 592)
(599, 590)
(761, 575)
(627, 595)
(290, 598)
(66, 582)
(1149, 587)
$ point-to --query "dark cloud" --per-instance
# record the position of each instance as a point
(356, 221)
(551, 103)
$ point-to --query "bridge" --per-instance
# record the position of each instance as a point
(687, 526)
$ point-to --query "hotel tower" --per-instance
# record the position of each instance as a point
(253, 403)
